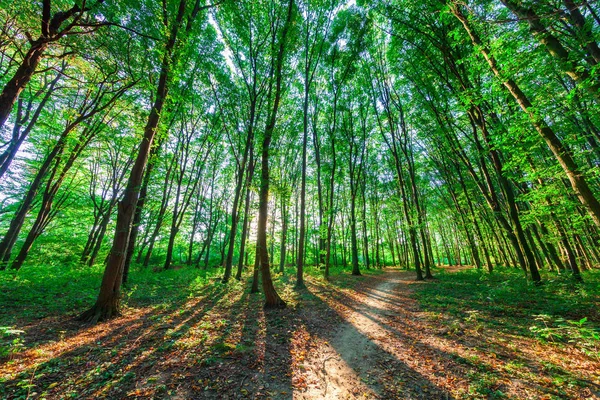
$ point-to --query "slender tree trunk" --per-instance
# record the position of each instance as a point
(245, 232)
(553, 46)
(284, 228)
(195, 222)
(272, 299)
(139, 209)
(330, 210)
(364, 227)
(342, 240)
(255, 276)
(53, 184)
(16, 224)
(353, 235)
(99, 238)
(585, 31)
(108, 302)
(18, 136)
(249, 148)
(302, 237)
(322, 224)
(562, 154)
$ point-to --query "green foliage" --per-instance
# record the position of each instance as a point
(10, 341)
(503, 301)
(52, 290)
(578, 333)
(391, 114)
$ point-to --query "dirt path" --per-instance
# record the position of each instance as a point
(358, 338)
(362, 358)
(345, 364)
(385, 346)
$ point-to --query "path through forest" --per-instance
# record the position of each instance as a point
(367, 356)
(355, 359)
(355, 338)
(386, 346)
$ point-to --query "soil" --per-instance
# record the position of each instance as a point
(362, 338)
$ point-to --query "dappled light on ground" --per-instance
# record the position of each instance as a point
(364, 337)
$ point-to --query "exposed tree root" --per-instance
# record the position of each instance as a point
(279, 304)
(100, 313)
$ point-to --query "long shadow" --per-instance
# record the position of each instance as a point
(116, 361)
(193, 349)
(66, 328)
(249, 356)
(196, 367)
(250, 346)
(391, 378)
(375, 314)
(277, 373)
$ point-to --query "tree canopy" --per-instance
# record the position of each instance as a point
(265, 140)
(306, 133)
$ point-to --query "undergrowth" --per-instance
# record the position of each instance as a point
(67, 289)
(51, 290)
(559, 311)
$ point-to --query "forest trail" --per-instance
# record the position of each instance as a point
(366, 357)
(354, 338)
(350, 363)
(386, 346)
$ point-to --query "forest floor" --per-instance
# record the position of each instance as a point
(382, 335)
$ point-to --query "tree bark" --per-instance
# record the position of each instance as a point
(272, 298)
(107, 304)
(22, 76)
(562, 154)
(553, 46)
(245, 230)
(50, 32)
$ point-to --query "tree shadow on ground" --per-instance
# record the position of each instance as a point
(249, 359)
(371, 370)
(222, 344)
(486, 370)
(107, 359)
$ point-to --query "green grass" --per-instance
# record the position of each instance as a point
(43, 291)
(560, 310)
(63, 289)
(340, 276)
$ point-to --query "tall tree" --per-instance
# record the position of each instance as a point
(108, 303)
(279, 47)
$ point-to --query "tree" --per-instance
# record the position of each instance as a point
(108, 303)
(54, 27)
(279, 44)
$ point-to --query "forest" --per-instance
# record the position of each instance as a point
(300, 199)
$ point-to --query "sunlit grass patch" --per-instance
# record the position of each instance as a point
(560, 311)
(51, 290)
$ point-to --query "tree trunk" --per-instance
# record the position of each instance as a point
(100, 238)
(302, 236)
(245, 232)
(284, 228)
(272, 299)
(585, 31)
(249, 149)
(562, 154)
(108, 302)
(364, 227)
(21, 78)
(16, 224)
(553, 46)
(353, 236)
